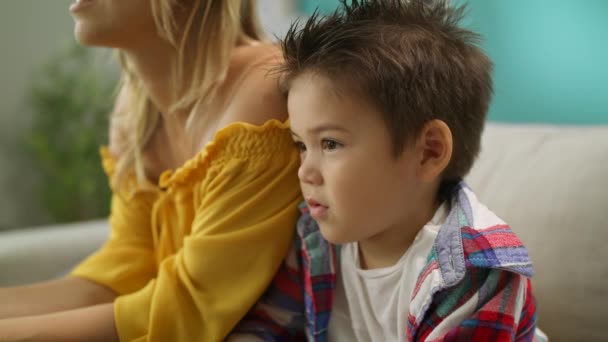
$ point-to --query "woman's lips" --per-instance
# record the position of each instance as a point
(79, 5)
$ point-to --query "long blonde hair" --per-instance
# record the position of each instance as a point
(208, 36)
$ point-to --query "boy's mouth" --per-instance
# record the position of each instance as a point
(317, 210)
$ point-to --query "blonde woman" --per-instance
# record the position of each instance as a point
(204, 179)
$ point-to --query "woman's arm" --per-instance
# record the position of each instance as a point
(95, 323)
(52, 296)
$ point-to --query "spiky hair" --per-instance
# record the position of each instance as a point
(410, 59)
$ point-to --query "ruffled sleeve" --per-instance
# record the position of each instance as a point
(125, 263)
(246, 194)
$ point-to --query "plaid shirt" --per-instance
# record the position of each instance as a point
(477, 264)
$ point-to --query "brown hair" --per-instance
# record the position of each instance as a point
(410, 59)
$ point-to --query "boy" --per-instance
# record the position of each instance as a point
(387, 101)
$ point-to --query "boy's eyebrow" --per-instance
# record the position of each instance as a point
(323, 128)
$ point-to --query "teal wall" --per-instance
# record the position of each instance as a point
(551, 57)
(325, 6)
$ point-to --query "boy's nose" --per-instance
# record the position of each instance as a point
(309, 174)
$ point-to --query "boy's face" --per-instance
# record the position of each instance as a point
(354, 186)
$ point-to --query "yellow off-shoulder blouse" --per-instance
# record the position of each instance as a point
(189, 260)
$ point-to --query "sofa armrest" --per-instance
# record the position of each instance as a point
(35, 254)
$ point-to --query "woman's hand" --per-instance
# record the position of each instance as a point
(95, 323)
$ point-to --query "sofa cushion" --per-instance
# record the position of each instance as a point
(550, 183)
(29, 255)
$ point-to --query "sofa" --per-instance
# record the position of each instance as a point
(549, 182)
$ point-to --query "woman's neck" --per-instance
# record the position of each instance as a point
(153, 65)
(154, 62)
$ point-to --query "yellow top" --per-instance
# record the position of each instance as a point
(189, 260)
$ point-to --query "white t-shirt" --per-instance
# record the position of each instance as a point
(372, 305)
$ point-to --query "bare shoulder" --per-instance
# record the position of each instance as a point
(257, 97)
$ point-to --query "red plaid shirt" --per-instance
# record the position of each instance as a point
(485, 268)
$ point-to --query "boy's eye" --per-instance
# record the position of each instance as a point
(329, 145)
(300, 146)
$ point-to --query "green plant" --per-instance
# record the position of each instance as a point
(70, 97)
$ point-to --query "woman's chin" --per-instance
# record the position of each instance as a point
(83, 35)
(90, 37)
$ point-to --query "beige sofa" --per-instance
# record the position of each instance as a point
(549, 182)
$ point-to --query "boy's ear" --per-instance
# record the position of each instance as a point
(434, 149)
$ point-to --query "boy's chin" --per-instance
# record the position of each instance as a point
(334, 236)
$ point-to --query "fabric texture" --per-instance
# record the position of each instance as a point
(476, 264)
(190, 259)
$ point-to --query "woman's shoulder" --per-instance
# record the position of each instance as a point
(256, 97)
(257, 54)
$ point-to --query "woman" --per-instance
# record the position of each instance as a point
(204, 181)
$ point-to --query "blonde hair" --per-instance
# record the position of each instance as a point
(208, 36)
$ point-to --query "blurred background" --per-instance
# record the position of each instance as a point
(550, 67)
(55, 97)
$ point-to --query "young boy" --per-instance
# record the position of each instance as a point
(387, 101)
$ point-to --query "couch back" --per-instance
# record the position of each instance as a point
(550, 183)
